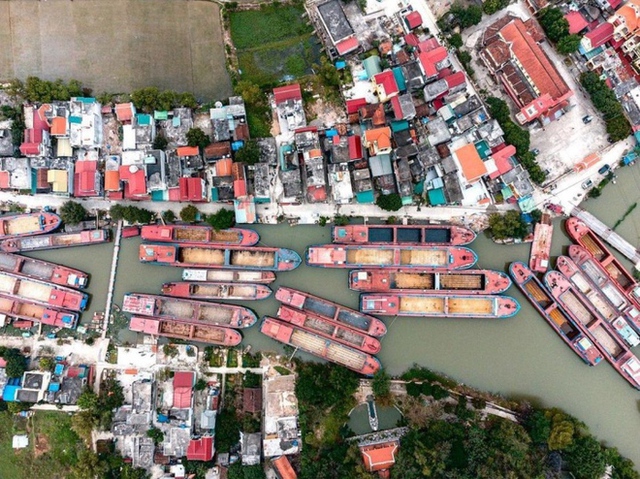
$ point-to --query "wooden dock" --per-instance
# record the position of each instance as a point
(112, 278)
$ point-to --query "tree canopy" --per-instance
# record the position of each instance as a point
(249, 153)
(392, 202)
(222, 219)
(189, 214)
(16, 362)
(605, 101)
(43, 91)
(492, 6)
(508, 225)
(468, 16)
(72, 213)
(132, 214)
(197, 137)
(552, 21)
(152, 98)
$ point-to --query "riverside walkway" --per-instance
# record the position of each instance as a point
(112, 279)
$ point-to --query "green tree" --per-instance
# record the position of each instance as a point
(83, 423)
(88, 465)
(238, 471)
(623, 468)
(189, 214)
(200, 385)
(168, 216)
(72, 213)
(227, 430)
(46, 364)
(16, 364)
(585, 458)
(392, 202)
(250, 92)
(561, 435)
(539, 427)
(569, 44)
(187, 100)
(249, 153)
(197, 137)
(455, 40)
(156, 434)
(466, 16)
(146, 99)
(555, 26)
(381, 384)
(160, 142)
(166, 100)
(492, 6)
(222, 219)
(17, 407)
(618, 128)
(508, 225)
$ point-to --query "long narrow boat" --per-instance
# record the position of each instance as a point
(28, 224)
(329, 329)
(541, 246)
(205, 333)
(322, 347)
(406, 280)
(28, 310)
(193, 234)
(596, 301)
(442, 258)
(550, 310)
(230, 257)
(188, 311)
(233, 291)
(228, 276)
(48, 294)
(439, 305)
(400, 234)
(43, 270)
(599, 277)
(332, 311)
(54, 241)
(600, 332)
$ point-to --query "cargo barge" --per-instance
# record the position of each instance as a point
(442, 258)
(467, 282)
(232, 291)
(30, 311)
(228, 276)
(43, 270)
(332, 311)
(192, 234)
(439, 305)
(551, 311)
(188, 311)
(329, 329)
(230, 257)
(28, 224)
(400, 234)
(322, 347)
(47, 294)
(204, 333)
(614, 350)
(54, 241)
(596, 301)
(541, 246)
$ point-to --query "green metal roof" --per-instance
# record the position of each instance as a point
(160, 115)
(372, 66)
(436, 197)
(365, 197)
(483, 149)
(399, 76)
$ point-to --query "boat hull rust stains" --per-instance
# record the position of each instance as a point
(228, 276)
(216, 290)
(43, 270)
(205, 333)
(192, 234)
(400, 234)
(28, 224)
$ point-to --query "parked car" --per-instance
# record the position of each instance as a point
(587, 119)
(535, 152)
(604, 170)
(587, 184)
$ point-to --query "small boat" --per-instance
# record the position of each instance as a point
(28, 224)
(188, 311)
(322, 347)
(54, 241)
(439, 306)
(204, 333)
(332, 311)
(600, 332)
(229, 257)
(407, 280)
(192, 234)
(401, 234)
(372, 413)
(228, 276)
(29, 289)
(43, 270)
(443, 258)
(550, 310)
(211, 290)
(130, 231)
(329, 329)
(31, 311)
(541, 246)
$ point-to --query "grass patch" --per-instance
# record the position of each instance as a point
(282, 370)
(270, 23)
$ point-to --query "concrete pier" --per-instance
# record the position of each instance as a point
(112, 278)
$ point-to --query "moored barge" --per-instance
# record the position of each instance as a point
(28, 224)
(230, 257)
(332, 311)
(30, 311)
(54, 241)
(442, 258)
(41, 292)
(400, 234)
(204, 333)
(322, 347)
(450, 282)
(43, 270)
(228, 276)
(194, 234)
(557, 318)
(188, 311)
(541, 245)
(439, 305)
(211, 290)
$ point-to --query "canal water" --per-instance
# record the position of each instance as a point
(519, 357)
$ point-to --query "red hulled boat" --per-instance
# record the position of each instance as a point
(43, 270)
(28, 224)
(30, 311)
(541, 246)
(192, 234)
(204, 333)
(228, 276)
(29, 289)
(213, 290)
(54, 241)
(401, 234)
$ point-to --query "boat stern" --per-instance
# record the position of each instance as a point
(247, 318)
(325, 256)
(371, 366)
(350, 234)
(379, 304)
(151, 253)
(520, 272)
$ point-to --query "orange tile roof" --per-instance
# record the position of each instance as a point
(473, 168)
(223, 167)
(378, 136)
(111, 180)
(378, 457)
(59, 125)
(629, 14)
(283, 468)
(188, 151)
(124, 111)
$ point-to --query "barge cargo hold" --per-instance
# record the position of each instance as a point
(550, 310)
(598, 331)
(466, 282)
(43, 270)
(439, 305)
(541, 246)
(41, 292)
(199, 234)
(322, 347)
(443, 258)
(399, 234)
(28, 224)
(230, 257)
(54, 241)
(228, 276)
(596, 301)
(188, 311)
(30, 311)
(332, 311)
(330, 329)
(204, 333)
(231, 291)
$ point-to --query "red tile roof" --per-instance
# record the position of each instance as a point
(200, 449)
(252, 399)
(59, 126)
(456, 79)
(472, 165)
(283, 468)
(378, 457)
(355, 147)
(4, 179)
(354, 104)
(239, 188)
(502, 159)
(577, 22)
(287, 92)
(136, 180)
(182, 388)
(112, 180)
(85, 178)
(413, 20)
(188, 151)
(431, 58)
(411, 39)
(600, 35)
(191, 189)
(174, 193)
(428, 45)
(125, 112)
(388, 82)
(347, 45)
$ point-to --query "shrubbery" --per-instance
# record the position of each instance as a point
(604, 99)
(556, 27)
(508, 225)
(132, 214)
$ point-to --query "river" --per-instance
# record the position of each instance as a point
(519, 357)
